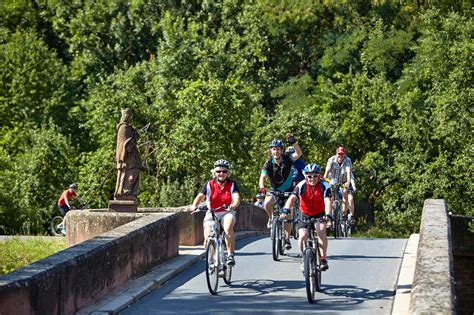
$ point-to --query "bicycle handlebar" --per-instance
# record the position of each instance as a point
(205, 208)
(312, 220)
(279, 193)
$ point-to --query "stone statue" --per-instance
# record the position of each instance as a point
(128, 159)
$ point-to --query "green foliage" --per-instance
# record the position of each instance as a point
(17, 253)
(391, 81)
(33, 86)
(34, 180)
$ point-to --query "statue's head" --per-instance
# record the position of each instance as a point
(126, 115)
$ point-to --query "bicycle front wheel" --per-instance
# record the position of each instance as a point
(275, 240)
(281, 238)
(56, 227)
(310, 274)
(212, 264)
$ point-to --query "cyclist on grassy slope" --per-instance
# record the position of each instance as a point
(315, 202)
(221, 191)
(278, 168)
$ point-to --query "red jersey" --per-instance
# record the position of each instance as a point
(217, 196)
(312, 198)
(67, 193)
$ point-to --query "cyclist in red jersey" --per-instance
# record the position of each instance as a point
(221, 191)
(64, 202)
(315, 202)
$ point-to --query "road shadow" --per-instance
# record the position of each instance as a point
(360, 257)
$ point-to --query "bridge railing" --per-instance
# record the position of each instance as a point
(433, 290)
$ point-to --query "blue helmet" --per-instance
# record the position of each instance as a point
(222, 163)
(276, 143)
(290, 150)
(312, 168)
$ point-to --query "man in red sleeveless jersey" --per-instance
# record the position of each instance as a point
(315, 202)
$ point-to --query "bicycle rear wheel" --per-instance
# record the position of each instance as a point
(275, 240)
(55, 227)
(212, 264)
(310, 274)
(227, 274)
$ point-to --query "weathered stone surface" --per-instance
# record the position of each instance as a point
(123, 205)
(433, 285)
(86, 224)
(73, 278)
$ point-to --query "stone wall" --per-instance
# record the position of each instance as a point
(463, 250)
(433, 285)
(86, 224)
(82, 225)
(73, 278)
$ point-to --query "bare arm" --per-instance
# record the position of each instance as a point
(327, 205)
(290, 201)
(199, 198)
(261, 181)
(235, 200)
(298, 153)
(348, 177)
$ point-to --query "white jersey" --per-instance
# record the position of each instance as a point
(338, 171)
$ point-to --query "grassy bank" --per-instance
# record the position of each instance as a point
(16, 253)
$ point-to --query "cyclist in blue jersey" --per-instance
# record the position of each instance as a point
(278, 168)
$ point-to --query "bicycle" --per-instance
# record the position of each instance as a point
(341, 227)
(277, 233)
(216, 253)
(57, 225)
(311, 254)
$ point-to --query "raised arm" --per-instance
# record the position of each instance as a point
(298, 153)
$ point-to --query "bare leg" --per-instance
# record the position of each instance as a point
(268, 205)
(323, 240)
(303, 233)
(230, 236)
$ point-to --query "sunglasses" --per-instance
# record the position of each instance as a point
(311, 176)
(222, 171)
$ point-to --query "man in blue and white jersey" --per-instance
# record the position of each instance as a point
(278, 168)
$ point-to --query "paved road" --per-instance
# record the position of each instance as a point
(361, 280)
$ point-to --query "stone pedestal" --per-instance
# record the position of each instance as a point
(123, 205)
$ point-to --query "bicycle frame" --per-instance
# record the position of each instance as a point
(215, 254)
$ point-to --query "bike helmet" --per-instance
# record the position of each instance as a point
(73, 186)
(312, 168)
(260, 196)
(222, 163)
(290, 150)
(276, 143)
(340, 149)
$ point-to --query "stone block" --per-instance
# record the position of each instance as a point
(123, 205)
